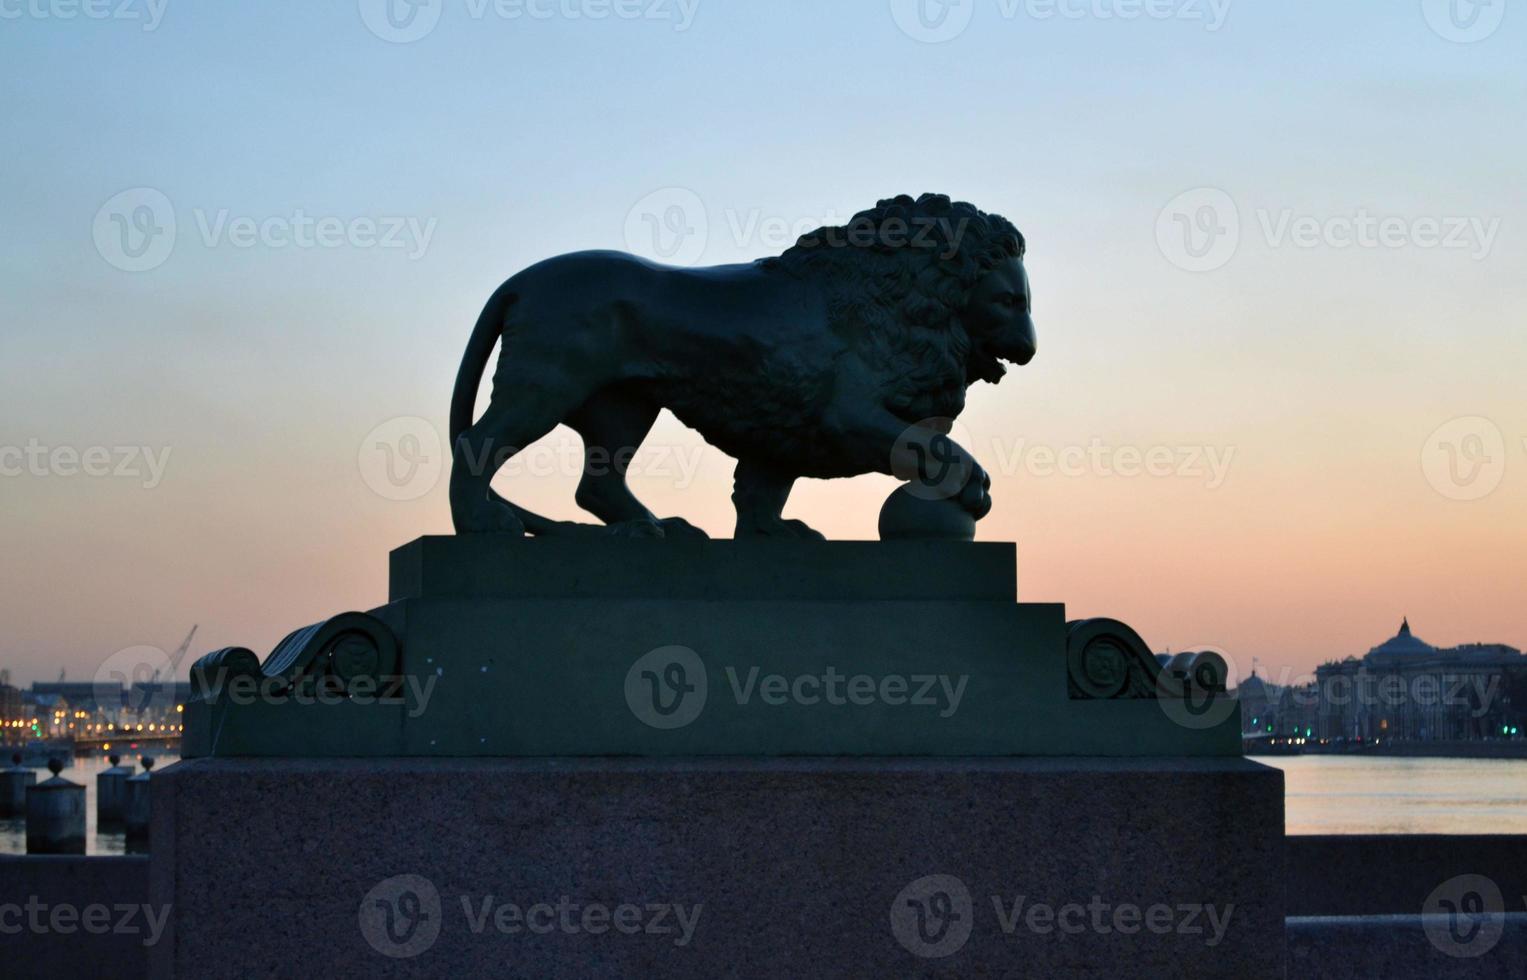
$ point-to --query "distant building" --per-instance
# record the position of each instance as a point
(157, 701)
(1297, 714)
(85, 709)
(1406, 689)
(1273, 712)
(1259, 701)
(15, 722)
(82, 695)
(49, 712)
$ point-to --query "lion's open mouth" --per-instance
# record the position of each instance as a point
(985, 367)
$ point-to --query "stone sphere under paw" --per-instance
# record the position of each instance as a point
(907, 516)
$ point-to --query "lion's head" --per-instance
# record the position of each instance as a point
(933, 292)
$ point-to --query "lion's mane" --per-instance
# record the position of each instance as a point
(897, 277)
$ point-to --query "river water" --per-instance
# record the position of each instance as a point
(1343, 794)
(13, 831)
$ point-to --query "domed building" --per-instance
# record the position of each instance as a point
(1403, 647)
(1259, 704)
(1257, 697)
(1407, 690)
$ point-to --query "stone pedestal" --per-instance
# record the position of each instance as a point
(698, 759)
(719, 867)
(496, 646)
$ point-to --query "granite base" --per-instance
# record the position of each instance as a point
(719, 867)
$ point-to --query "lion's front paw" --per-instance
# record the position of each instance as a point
(975, 498)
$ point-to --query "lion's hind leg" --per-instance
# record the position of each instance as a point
(759, 495)
(613, 423)
(523, 409)
(478, 454)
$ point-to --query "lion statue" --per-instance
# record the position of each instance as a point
(848, 354)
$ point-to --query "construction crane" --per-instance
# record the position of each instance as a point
(179, 655)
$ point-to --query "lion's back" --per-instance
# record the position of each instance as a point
(745, 357)
(576, 283)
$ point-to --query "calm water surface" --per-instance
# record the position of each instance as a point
(13, 832)
(1339, 794)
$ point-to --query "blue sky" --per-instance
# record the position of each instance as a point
(264, 368)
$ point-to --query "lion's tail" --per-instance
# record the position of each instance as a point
(475, 361)
(469, 376)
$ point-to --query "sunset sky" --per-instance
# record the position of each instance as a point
(1280, 253)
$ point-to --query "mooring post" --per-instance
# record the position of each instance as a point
(135, 809)
(111, 794)
(13, 787)
(55, 815)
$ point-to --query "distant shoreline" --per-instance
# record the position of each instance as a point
(1515, 749)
